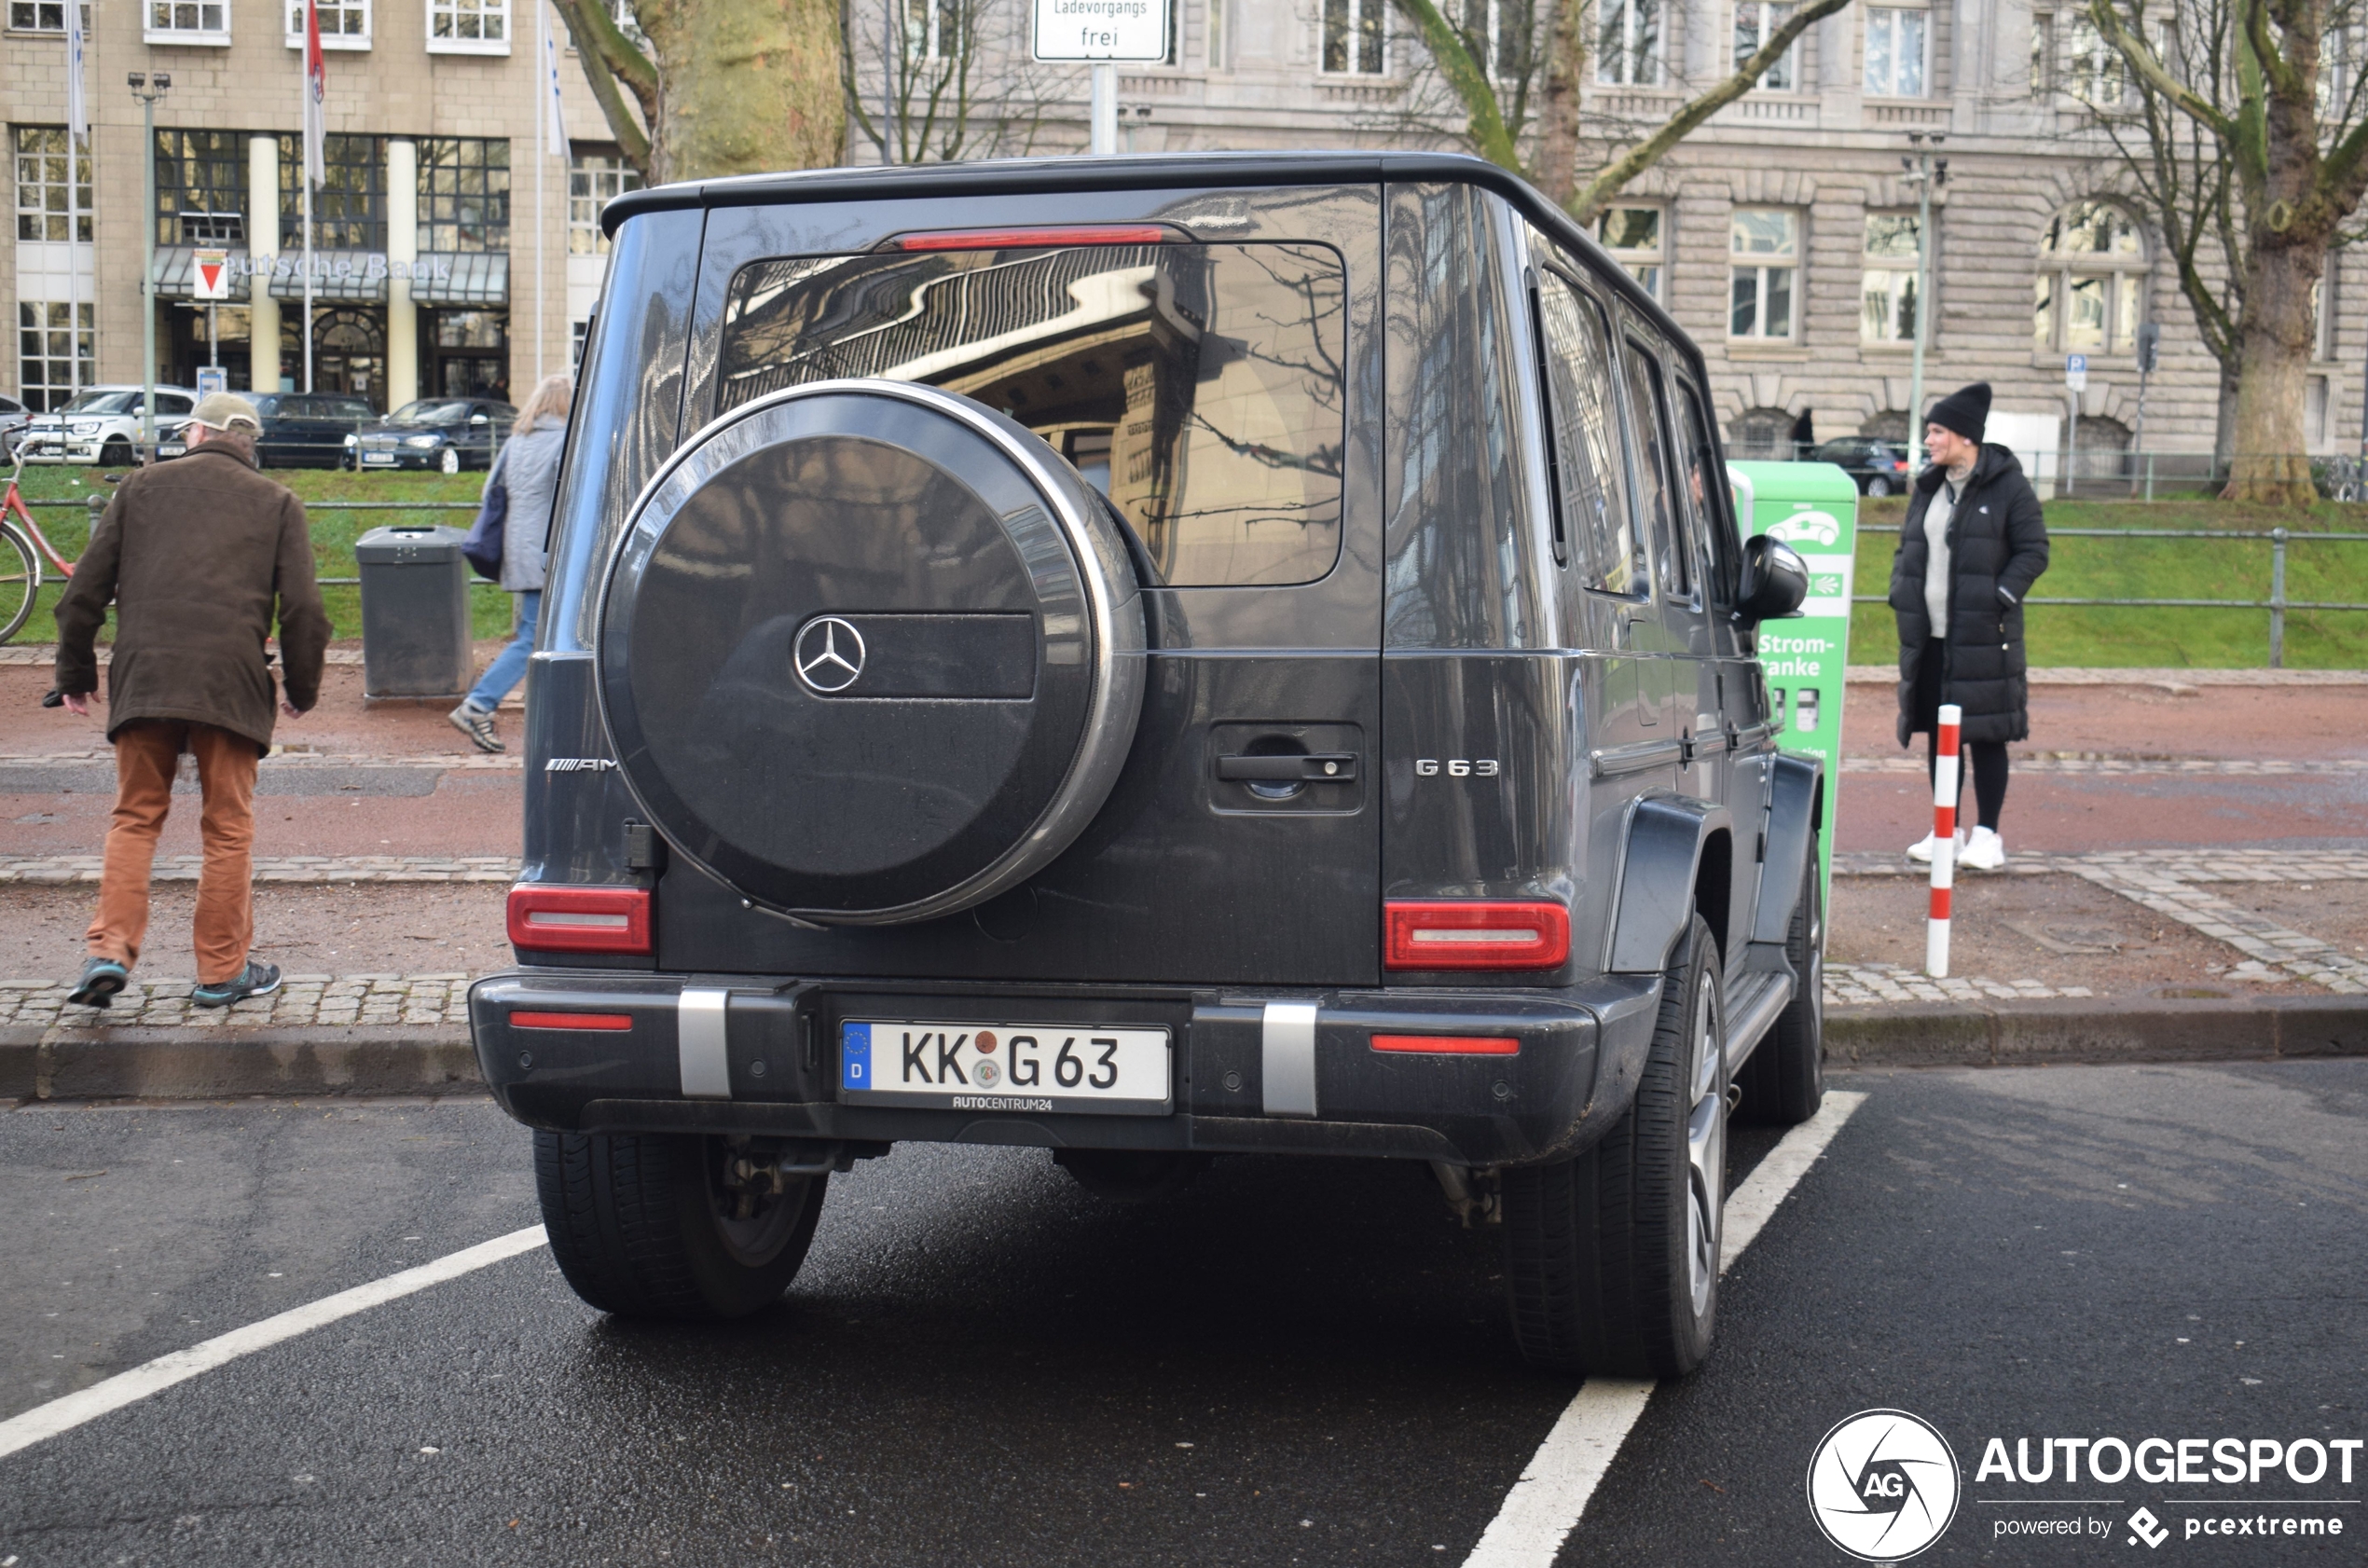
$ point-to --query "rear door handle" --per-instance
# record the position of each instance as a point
(1326, 767)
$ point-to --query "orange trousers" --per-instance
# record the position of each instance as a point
(147, 752)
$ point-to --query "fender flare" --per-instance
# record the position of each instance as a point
(1796, 793)
(1661, 857)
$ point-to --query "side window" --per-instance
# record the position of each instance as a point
(1648, 411)
(1703, 477)
(168, 403)
(1595, 490)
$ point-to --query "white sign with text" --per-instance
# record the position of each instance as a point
(1094, 30)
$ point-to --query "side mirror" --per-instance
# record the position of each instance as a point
(479, 419)
(1775, 581)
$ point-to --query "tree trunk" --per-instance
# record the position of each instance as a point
(2271, 463)
(1557, 171)
(2224, 429)
(746, 87)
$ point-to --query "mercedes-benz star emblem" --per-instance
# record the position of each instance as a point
(828, 655)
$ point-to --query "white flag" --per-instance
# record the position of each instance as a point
(551, 78)
(77, 118)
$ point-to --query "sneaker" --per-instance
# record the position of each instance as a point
(477, 725)
(256, 980)
(1984, 851)
(102, 978)
(1921, 850)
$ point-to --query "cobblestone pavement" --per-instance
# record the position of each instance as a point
(2167, 883)
(1891, 983)
(294, 756)
(2118, 765)
(59, 869)
(303, 1000)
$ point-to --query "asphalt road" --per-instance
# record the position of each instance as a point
(1288, 1362)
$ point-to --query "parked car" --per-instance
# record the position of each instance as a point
(300, 430)
(102, 425)
(445, 434)
(1125, 659)
(1879, 467)
(14, 417)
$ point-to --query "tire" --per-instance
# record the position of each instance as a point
(450, 462)
(1611, 1258)
(1878, 486)
(116, 453)
(1784, 1081)
(20, 581)
(636, 1224)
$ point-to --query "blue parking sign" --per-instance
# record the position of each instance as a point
(855, 1056)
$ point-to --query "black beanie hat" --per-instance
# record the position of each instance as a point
(1966, 411)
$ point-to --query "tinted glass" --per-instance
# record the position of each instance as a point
(429, 412)
(1578, 372)
(1200, 387)
(1649, 409)
(168, 403)
(1699, 490)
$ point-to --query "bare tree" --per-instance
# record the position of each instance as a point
(1518, 92)
(2248, 140)
(912, 71)
(699, 88)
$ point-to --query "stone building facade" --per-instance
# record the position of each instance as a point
(425, 238)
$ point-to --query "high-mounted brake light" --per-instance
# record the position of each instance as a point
(570, 1020)
(1475, 934)
(1435, 1045)
(1031, 238)
(556, 918)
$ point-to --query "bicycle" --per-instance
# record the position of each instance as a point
(22, 546)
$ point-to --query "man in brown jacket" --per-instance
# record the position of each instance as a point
(194, 554)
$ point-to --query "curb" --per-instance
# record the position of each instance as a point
(363, 1062)
(161, 1063)
(2079, 1031)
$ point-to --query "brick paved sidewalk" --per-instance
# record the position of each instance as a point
(57, 870)
(303, 1000)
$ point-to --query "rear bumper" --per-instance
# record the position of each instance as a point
(1239, 1085)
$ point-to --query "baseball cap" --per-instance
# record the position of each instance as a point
(224, 410)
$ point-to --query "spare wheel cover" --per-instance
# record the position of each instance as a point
(870, 652)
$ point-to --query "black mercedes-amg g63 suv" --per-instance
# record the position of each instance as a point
(1150, 658)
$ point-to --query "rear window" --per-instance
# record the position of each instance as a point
(1200, 387)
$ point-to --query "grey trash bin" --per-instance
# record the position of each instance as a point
(415, 612)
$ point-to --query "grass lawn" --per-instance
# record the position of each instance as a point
(333, 532)
(2330, 571)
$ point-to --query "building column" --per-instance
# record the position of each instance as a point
(403, 249)
(263, 249)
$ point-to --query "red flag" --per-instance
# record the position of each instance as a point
(316, 87)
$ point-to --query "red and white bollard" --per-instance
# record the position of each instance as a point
(1944, 842)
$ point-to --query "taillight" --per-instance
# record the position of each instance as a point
(555, 919)
(1475, 934)
(1436, 1045)
(1033, 239)
(521, 1020)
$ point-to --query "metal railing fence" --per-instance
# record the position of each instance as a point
(98, 504)
(2278, 604)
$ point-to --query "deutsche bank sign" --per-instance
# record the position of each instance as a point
(1091, 30)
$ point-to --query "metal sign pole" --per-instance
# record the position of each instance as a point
(1100, 42)
(1105, 131)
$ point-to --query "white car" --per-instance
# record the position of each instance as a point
(102, 425)
(14, 416)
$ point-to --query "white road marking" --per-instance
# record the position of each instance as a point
(126, 1388)
(1545, 1505)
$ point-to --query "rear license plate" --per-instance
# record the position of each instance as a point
(1074, 1068)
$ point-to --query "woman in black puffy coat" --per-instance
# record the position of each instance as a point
(1972, 546)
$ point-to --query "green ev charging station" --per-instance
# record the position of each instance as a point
(1813, 507)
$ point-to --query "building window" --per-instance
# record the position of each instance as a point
(201, 188)
(345, 24)
(2043, 53)
(469, 26)
(188, 21)
(1497, 34)
(1894, 53)
(2092, 67)
(1887, 297)
(1356, 37)
(577, 331)
(1634, 236)
(2090, 293)
(42, 16)
(1756, 22)
(1628, 43)
(1764, 243)
(465, 195)
(46, 202)
(349, 208)
(2322, 312)
(47, 348)
(594, 180)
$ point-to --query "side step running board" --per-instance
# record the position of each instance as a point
(1752, 1012)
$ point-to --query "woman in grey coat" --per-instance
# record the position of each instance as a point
(527, 467)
